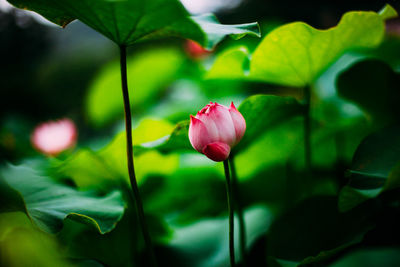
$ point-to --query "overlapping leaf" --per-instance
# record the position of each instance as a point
(48, 203)
(129, 21)
(375, 168)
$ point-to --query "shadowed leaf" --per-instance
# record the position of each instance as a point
(48, 203)
(130, 21)
(375, 168)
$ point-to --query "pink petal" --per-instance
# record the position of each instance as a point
(238, 121)
(210, 125)
(217, 151)
(198, 134)
(223, 120)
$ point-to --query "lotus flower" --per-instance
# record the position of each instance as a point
(216, 129)
(53, 137)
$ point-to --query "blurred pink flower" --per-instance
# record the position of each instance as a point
(216, 129)
(53, 137)
(194, 50)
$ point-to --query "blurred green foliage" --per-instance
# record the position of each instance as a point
(75, 209)
(149, 73)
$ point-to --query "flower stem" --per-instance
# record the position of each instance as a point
(129, 150)
(307, 130)
(239, 209)
(231, 218)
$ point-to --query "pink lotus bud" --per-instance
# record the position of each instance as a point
(194, 50)
(53, 137)
(215, 130)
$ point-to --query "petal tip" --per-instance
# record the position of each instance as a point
(193, 119)
(232, 106)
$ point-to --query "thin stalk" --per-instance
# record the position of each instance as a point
(307, 129)
(239, 209)
(231, 218)
(131, 169)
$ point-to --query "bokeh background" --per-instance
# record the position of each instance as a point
(48, 73)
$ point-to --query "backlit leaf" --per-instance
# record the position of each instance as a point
(149, 74)
(230, 64)
(295, 54)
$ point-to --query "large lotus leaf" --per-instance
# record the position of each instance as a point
(129, 21)
(295, 54)
(49, 203)
(375, 168)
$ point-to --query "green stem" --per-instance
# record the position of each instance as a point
(131, 169)
(307, 129)
(239, 209)
(231, 218)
